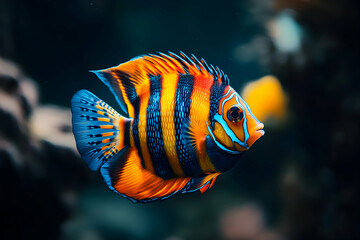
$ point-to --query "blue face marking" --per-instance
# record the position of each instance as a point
(222, 105)
(227, 92)
(246, 132)
(219, 144)
(219, 118)
(229, 132)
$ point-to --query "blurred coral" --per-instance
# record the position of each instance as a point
(53, 124)
(245, 222)
(39, 168)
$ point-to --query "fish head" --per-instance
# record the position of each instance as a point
(235, 127)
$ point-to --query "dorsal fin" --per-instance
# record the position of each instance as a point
(130, 82)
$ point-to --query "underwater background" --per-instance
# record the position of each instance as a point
(299, 181)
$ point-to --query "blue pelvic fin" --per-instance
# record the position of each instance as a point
(96, 128)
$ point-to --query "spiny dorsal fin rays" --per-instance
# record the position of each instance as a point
(130, 81)
(155, 66)
(193, 64)
(206, 65)
(166, 63)
(158, 63)
(173, 61)
(182, 61)
(187, 58)
(198, 62)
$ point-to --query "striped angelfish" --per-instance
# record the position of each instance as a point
(185, 126)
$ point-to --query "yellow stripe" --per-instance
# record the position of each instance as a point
(199, 112)
(142, 135)
(167, 106)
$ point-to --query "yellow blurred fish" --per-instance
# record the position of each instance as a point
(266, 98)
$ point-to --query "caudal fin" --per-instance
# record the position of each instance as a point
(100, 132)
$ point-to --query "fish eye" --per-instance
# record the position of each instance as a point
(235, 114)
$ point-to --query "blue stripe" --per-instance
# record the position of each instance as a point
(186, 155)
(154, 131)
(216, 93)
(136, 133)
(130, 91)
(134, 100)
(127, 133)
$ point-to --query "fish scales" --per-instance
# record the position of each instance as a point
(186, 156)
(154, 130)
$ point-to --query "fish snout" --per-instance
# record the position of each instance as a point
(256, 133)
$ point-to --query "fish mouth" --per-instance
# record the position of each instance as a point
(257, 133)
(259, 128)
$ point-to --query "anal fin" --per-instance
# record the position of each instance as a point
(209, 184)
(203, 183)
(125, 175)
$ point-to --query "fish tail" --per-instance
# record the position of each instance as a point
(100, 132)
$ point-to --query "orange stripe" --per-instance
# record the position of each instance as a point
(108, 134)
(104, 147)
(104, 119)
(199, 112)
(121, 134)
(106, 126)
(167, 106)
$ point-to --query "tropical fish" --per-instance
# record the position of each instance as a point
(267, 99)
(186, 126)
